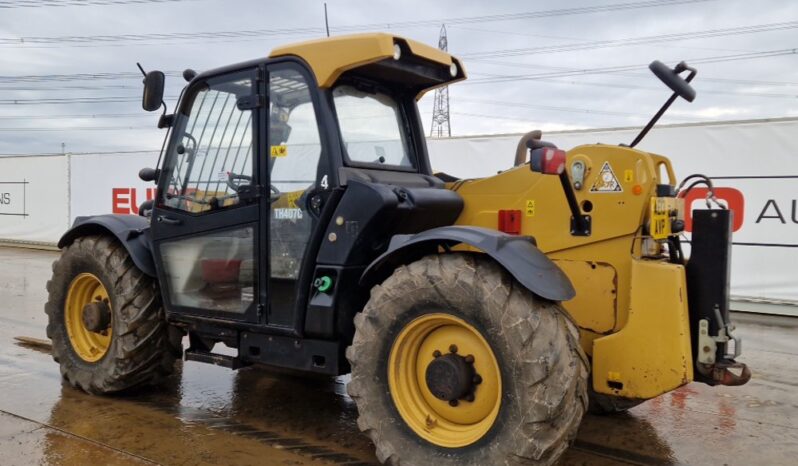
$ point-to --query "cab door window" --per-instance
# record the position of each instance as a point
(212, 159)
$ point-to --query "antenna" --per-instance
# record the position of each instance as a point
(441, 127)
(326, 23)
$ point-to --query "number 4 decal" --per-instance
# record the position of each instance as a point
(324, 183)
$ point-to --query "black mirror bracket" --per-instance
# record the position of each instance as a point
(681, 88)
(580, 223)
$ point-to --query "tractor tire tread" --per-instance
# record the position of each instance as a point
(143, 348)
(550, 391)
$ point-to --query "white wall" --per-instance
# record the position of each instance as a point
(763, 255)
(34, 204)
(106, 184)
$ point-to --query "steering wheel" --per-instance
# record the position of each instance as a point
(233, 177)
(275, 193)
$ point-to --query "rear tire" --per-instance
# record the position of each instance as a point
(143, 347)
(543, 370)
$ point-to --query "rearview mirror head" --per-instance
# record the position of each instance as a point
(153, 91)
(148, 174)
(672, 79)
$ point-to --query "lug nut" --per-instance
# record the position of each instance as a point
(453, 348)
(470, 398)
(469, 359)
(477, 379)
(453, 403)
(436, 354)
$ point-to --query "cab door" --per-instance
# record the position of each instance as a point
(206, 223)
(300, 179)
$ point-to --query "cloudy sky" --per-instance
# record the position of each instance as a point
(68, 67)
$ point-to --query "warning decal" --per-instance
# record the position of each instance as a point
(606, 182)
(530, 208)
(280, 151)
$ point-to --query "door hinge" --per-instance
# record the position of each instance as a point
(260, 311)
(249, 102)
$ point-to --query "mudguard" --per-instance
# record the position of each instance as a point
(133, 231)
(517, 254)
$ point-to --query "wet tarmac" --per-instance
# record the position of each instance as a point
(211, 415)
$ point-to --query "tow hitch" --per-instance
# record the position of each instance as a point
(726, 371)
(708, 271)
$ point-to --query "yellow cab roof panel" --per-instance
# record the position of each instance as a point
(331, 57)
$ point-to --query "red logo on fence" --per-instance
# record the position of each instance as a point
(733, 198)
(124, 200)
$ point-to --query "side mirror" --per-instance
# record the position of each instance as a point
(153, 91)
(672, 79)
(149, 174)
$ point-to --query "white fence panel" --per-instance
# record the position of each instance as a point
(34, 199)
(109, 184)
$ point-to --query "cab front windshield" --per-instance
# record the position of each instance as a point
(372, 128)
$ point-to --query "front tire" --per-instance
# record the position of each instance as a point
(135, 347)
(459, 300)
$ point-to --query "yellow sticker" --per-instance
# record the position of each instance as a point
(292, 198)
(628, 175)
(280, 151)
(530, 208)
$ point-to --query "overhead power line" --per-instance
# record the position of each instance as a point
(63, 3)
(75, 100)
(117, 39)
(615, 69)
(77, 128)
(563, 109)
(757, 28)
(98, 116)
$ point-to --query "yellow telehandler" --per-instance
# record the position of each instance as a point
(298, 220)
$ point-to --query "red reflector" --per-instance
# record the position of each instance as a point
(510, 221)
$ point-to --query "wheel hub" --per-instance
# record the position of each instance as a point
(96, 316)
(451, 377)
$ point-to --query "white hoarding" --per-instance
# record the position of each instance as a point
(109, 184)
(34, 205)
(755, 165)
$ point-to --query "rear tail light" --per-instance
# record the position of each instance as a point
(548, 161)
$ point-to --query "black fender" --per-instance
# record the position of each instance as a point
(133, 231)
(517, 254)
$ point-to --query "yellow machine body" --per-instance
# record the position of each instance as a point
(632, 309)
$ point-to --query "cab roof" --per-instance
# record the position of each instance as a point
(372, 54)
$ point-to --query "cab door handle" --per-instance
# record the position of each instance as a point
(169, 220)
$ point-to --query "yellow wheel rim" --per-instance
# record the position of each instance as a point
(84, 289)
(431, 418)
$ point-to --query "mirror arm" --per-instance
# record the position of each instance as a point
(665, 107)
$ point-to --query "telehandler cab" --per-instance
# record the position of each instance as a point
(298, 221)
